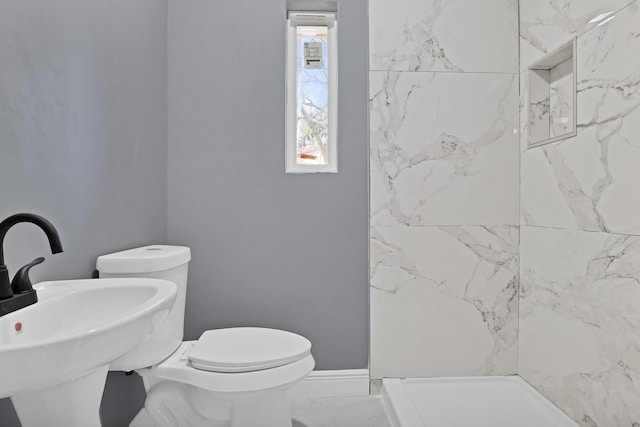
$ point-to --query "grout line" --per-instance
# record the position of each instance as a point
(580, 230)
(505, 225)
(520, 154)
(444, 72)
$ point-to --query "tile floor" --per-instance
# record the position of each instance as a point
(367, 411)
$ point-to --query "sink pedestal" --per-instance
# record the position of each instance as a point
(55, 354)
(75, 403)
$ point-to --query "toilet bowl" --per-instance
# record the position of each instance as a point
(233, 377)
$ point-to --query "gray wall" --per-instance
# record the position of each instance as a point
(83, 139)
(83, 142)
(269, 249)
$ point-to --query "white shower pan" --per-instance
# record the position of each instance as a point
(475, 401)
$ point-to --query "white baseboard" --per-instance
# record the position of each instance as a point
(345, 382)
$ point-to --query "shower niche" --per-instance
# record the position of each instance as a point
(552, 96)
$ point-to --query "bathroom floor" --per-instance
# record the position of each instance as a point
(368, 411)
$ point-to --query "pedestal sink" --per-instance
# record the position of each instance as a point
(55, 354)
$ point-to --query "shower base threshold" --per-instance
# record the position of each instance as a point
(475, 401)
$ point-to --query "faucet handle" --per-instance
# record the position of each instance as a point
(5, 287)
(21, 282)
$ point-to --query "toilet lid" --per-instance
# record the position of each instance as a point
(247, 349)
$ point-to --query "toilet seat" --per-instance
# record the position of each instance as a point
(178, 367)
(247, 349)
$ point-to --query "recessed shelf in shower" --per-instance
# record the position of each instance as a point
(552, 96)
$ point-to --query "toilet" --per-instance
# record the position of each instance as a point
(232, 377)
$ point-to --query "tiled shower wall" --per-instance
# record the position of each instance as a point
(446, 250)
(444, 187)
(580, 233)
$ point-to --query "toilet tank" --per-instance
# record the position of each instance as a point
(158, 262)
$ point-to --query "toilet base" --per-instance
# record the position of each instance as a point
(179, 395)
(172, 404)
(270, 409)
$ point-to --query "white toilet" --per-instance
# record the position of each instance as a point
(235, 377)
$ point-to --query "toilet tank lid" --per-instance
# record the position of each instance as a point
(146, 259)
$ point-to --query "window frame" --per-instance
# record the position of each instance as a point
(295, 19)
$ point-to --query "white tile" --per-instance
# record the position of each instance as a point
(544, 200)
(443, 35)
(547, 24)
(579, 322)
(444, 148)
(589, 182)
(524, 110)
(443, 301)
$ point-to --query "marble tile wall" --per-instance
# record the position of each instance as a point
(442, 149)
(444, 187)
(580, 216)
(586, 182)
(444, 300)
(580, 322)
(547, 24)
(443, 35)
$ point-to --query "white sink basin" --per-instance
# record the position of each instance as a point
(54, 355)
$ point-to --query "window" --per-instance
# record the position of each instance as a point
(312, 77)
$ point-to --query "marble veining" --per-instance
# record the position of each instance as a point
(579, 322)
(444, 300)
(441, 143)
(539, 105)
(443, 35)
(547, 24)
(588, 182)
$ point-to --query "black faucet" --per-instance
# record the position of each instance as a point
(19, 293)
